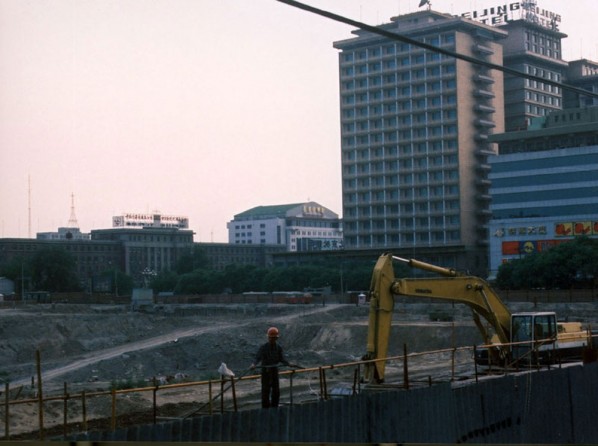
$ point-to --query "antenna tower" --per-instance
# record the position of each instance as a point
(73, 219)
(29, 207)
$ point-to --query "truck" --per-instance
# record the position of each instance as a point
(509, 338)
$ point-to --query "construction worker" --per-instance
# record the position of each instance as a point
(269, 356)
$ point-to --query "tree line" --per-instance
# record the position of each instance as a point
(193, 275)
(53, 269)
(567, 265)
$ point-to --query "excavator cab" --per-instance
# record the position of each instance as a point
(533, 336)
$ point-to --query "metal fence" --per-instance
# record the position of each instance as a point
(229, 393)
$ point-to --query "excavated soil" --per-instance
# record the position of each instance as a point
(91, 348)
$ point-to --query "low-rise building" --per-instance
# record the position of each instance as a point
(299, 227)
(156, 249)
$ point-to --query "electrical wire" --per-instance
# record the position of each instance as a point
(404, 39)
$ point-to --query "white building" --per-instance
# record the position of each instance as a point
(63, 234)
(300, 227)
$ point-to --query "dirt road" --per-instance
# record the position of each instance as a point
(74, 363)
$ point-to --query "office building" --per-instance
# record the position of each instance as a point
(582, 73)
(221, 255)
(544, 185)
(414, 131)
(533, 47)
(147, 248)
(92, 258)
(299, 227)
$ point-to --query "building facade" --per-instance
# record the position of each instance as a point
(63, 234)
(134, 252)
(582, 73)
(414, 137)
(544, 191)
(220, 255)
(147, 249)
(299, 227)
(92, 258)
(533, 47)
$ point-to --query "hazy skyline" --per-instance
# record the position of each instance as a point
(202, 108)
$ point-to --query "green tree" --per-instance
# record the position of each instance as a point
(164, 281)
(53, 269)
(241, 278)
(200, 281)
(568, 264)
(125, 284)
(19, 271)
(192, 260)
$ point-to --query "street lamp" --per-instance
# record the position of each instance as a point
(147, 273)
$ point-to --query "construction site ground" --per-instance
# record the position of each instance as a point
(91, 348)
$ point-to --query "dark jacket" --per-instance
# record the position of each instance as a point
(270, 355)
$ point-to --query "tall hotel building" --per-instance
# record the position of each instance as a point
(414, 138)
(533, 47)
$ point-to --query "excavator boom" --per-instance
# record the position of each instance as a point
(548, 339)
(468, 290)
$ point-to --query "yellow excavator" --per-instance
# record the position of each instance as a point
(509, 338)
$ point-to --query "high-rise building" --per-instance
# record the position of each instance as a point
(582, 73)
(414, 130)
(533, 47)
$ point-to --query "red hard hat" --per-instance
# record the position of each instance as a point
(272, 332)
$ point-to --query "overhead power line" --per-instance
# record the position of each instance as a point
(404, 39)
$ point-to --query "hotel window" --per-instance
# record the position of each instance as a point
(448, 38)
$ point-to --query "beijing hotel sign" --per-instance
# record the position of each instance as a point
(498, 15)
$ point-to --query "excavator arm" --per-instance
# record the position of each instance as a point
(453, 287)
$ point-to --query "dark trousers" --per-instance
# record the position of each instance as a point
(270, 388)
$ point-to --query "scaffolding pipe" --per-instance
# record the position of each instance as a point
(155, 400)
(232, 384)
(405, 368)
(40, 394)
(6, 414)
(65, 411)
(113, 418)
(84, 410)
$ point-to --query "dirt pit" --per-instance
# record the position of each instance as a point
(93, 348)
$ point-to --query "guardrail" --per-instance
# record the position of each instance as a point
(403, 371)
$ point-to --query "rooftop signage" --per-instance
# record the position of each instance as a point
(154, 219)
(526, 10)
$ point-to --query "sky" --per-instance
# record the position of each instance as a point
(198, 108)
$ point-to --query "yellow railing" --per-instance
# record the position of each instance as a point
(408, 370)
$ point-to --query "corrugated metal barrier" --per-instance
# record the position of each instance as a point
(549, 406)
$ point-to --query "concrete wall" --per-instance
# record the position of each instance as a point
(556, 406)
